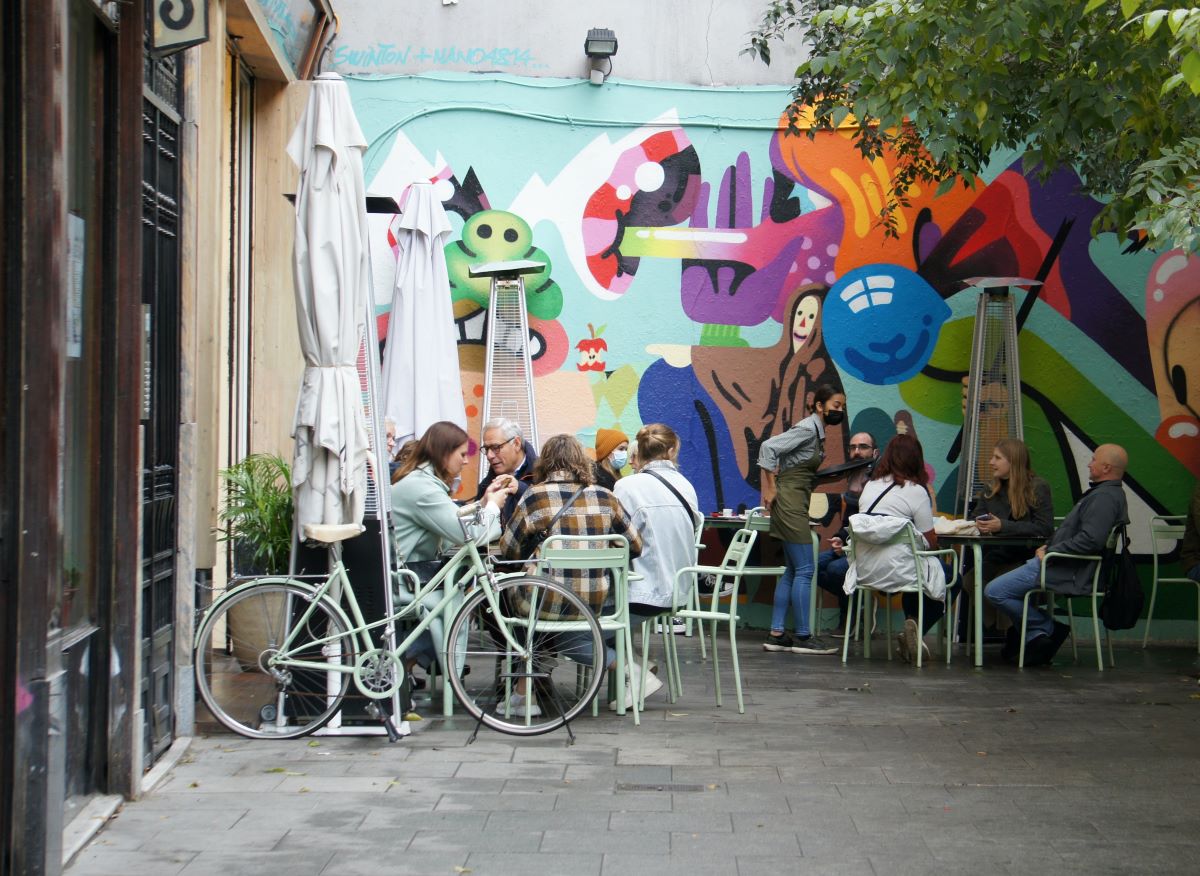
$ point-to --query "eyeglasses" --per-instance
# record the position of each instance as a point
(862, 447)
(493, 448)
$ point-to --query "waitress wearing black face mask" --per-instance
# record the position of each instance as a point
(789, 464)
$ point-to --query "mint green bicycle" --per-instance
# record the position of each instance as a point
(275, 657)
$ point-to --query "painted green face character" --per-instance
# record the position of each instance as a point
(498, 236)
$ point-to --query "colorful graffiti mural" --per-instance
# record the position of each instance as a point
(710, 271)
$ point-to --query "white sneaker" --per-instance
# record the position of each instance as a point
(516, 707)
(653, 686)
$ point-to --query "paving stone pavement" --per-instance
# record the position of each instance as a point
(872, 768)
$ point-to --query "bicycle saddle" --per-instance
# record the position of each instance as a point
(329, 533)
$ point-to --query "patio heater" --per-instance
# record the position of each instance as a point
(508, 375)
(992, 407)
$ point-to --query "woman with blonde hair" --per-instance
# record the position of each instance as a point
(664, 510)
(1017, 503)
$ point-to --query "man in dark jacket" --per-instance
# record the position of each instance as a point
(1084, 531)
(507, 452)
(833, 564)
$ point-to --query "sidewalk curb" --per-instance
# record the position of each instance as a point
(84, 826)
(165, 764)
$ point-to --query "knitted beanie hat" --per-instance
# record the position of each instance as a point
(607, 441)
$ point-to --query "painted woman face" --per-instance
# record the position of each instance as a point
(804, 321)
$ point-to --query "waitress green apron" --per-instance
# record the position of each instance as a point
(789, 511)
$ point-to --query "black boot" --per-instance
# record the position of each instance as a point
(1012, 645)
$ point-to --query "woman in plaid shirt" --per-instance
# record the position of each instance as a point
(562, 471)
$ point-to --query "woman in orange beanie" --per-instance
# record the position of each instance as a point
(612, 454)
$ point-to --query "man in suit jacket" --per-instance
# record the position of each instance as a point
(1084, 531)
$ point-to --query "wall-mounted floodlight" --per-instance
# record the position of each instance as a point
(600, 43)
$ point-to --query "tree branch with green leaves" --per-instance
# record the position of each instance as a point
(1106, 87)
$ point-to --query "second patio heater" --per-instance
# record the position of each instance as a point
(993, 399)
(508, 375)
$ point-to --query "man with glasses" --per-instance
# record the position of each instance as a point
(833, 563)
(507, 452)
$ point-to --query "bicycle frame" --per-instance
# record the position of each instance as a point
(337, 586)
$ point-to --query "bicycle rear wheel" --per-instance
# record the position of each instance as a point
(235, 643)
(559, 662)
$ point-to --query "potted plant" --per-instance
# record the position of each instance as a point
(256, 518)
(257, 514)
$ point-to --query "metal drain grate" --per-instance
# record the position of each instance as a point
(667, 787)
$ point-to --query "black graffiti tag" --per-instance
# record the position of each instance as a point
(186, 14)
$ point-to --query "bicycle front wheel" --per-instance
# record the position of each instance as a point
(235, 645)
(519, 672)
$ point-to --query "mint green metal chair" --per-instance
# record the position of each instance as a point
(720, 610)
(906, 537)
(1096, 596)
(1167, 529)
(688, 631)
(608, 554)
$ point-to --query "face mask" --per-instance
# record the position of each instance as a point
(619, 458)
(833, 418)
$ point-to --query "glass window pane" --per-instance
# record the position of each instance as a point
(81, 424)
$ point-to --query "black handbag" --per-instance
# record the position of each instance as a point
(425, 570)
(1123, 596)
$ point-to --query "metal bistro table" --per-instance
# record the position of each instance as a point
(978, 543)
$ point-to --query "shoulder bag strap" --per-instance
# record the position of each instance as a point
(691, 512)
(879, 498)
(545, 533)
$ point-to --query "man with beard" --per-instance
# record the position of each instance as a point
(833, 563)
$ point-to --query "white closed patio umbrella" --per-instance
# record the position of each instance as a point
(421, 382)
(329, 473)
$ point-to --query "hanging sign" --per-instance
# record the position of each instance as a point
(178, 24)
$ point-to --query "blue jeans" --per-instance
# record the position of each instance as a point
(794, 586)
(1194, 572)
(1008, 591)
(831, 576)
(578, 646)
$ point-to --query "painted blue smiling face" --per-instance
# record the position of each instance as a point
(882, 322)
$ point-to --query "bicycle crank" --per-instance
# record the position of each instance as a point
(378, 673)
